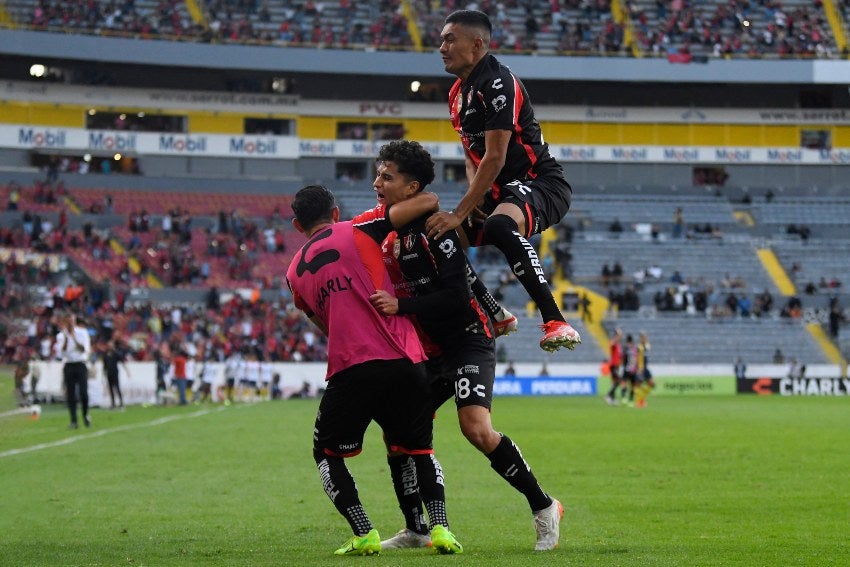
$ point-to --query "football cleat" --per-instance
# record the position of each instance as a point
(443, 541)
(504, 323)
(406, 539)
(369, 544)
(547, 522)
(557, 334)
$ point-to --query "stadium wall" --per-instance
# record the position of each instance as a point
(383, 63)
(138, 386)
(618, 145)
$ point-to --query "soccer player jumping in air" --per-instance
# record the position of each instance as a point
(516, 188)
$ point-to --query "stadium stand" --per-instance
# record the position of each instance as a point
(677, 29)
(715, 306)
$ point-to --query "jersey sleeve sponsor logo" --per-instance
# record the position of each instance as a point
(499, 103)
(447, 247)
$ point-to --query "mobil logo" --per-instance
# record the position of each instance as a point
(681, 154)
(316, 148)
(42, 138)
(183, 144)
(629, 154)
(253, 146)
(785, 156)
(111, 141)
(732, 155)
(578, 154)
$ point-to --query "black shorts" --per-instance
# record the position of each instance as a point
(465, 372)
(393, 393)
(616, 373)
(544, 201)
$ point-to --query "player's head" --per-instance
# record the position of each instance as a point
(313, 205)
(464, 40)
(404, 168)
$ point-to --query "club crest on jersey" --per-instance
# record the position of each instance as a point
(408, 242)
(396, 248)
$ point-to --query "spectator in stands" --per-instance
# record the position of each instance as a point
(835, 317)
(615, 228)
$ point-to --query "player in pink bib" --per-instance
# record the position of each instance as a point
(375, 362)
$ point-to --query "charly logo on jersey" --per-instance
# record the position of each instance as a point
(396, 248)
(447, 247)
(499, 102)
(408, 242)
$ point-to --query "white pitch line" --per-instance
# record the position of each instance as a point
(103, 432)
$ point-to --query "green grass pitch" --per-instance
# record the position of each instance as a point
(727, 480)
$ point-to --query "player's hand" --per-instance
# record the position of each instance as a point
(440, 223)
(385, 303)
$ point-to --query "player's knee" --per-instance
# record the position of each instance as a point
(499, 227)
(480, 435)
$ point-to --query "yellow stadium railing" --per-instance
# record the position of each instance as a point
(197, 13)
(836, 22)
(6, 19)
(621, 17)
(412, 27)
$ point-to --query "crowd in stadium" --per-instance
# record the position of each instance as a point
(271, 330)
(664, 27)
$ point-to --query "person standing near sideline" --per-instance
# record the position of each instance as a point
(112, 357)
(740, 368)
(516, 188)
(375, 363)
(73, 347)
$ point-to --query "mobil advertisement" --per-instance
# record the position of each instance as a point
(37, 137)
(148, 143)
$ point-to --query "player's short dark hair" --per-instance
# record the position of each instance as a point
(412, 160)
(471, 18)
(313, 204)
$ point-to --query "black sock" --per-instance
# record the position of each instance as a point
(481, 293)
(506, 459)
(502, 231)
(340, 488)
(431, 488)
(613, 391)
(406, 485)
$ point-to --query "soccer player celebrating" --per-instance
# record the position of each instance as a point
(375, 369)
(515, 185)
(433, 286)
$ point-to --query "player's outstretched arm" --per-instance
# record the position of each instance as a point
(405, 212)
(491, 164)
